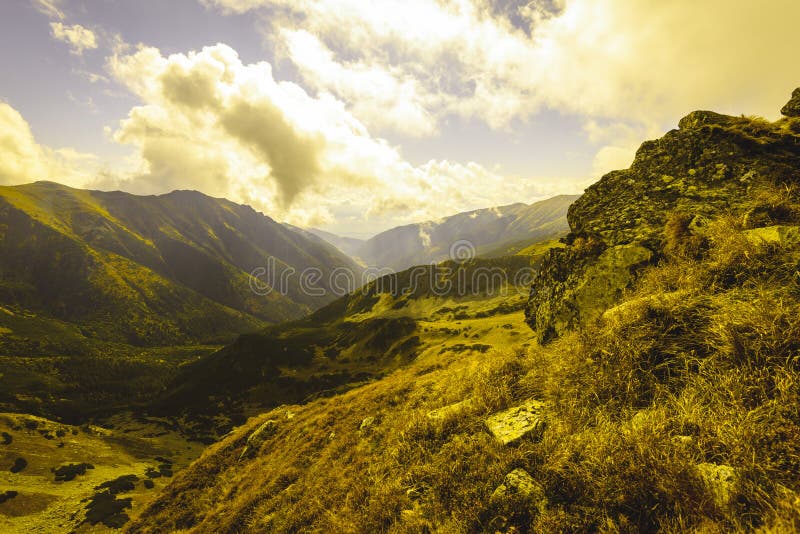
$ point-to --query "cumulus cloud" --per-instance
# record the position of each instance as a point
(628, 60)
(76, 36)
(382, 96)
(23, 160)
(231, 129)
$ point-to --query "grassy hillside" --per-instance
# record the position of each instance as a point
(104, 295)
(358, 338)
(58, 478)
(175, 266)
(667, 401)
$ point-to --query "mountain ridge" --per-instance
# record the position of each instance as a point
(473, 232)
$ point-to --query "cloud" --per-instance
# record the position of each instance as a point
(383, 97)
(626, 60)
(210, 122)
(76, 36)
(23, 160)
(50, 8)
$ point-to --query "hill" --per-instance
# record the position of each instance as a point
(664, 398)
(468, 234)
(103, 295)
(176, 266)
(349, 245)
(360, 337)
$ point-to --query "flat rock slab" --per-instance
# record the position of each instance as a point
(785, 236)
(527, 419)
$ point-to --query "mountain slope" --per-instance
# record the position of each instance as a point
(468, 233)
(348, 245)
(359, 337)
(175, 267)
(672, 407)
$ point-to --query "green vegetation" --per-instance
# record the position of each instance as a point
(358, 338)
(104, 295)
(665, 400)
(697, 367)
(83, 475)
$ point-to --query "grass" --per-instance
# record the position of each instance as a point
(697, 370)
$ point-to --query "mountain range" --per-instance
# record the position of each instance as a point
(175, 267)
(656, 389)
(496, 231)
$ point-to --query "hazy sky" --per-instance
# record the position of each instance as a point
(356, 115)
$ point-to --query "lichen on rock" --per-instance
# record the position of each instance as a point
(527, 419)
(792, 107)
(618, 225)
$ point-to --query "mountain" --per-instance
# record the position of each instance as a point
(150, 270)
(349, 245)
(663, 397)
(500, 231)
(360, 337)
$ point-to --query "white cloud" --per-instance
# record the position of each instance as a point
(23, 160)
(230, 129)
(76, 36)
(615, 59)
(381, 96)
(50, 8)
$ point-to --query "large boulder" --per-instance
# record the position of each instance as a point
(712, 164)
(584, 290)
(792, 107)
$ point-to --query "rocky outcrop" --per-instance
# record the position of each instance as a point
(712, 164)
(792, 108)
(510, 425)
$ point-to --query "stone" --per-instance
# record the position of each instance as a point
(720, 481)
(451, 410)
(697, 119)
(366, 423)
(524, 420)
(784, 236)
(792, 108)
(576, 291)
(519, 483)
(258, 437)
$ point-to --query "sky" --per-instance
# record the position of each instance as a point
(355, 116)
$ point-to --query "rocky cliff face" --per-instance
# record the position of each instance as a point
(711, 165)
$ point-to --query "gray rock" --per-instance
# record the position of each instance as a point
(720, 481)
(521, 484)
(366, 423)
(571, 292)
(258, 437)
(524, 420)
(785, 236)
(792, 107)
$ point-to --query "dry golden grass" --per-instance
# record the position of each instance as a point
(699, 364)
